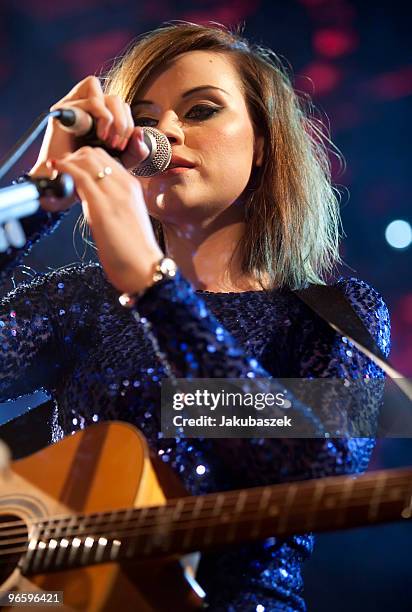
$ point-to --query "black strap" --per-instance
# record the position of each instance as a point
(331, 305)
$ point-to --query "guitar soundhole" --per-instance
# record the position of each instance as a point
(13, 542)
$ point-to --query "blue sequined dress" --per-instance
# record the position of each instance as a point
(65, 332)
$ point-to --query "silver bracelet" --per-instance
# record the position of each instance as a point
(165, 268)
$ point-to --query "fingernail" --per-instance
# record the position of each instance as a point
(51, 163)
(103, 133)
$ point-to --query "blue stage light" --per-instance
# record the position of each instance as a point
(399, 234)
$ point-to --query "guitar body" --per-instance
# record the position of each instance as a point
(98, 518)
(102, 468)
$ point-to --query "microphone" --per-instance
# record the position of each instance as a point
(83, 126)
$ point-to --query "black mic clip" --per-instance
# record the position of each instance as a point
(61, 186)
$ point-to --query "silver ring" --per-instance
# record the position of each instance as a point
(103, 173)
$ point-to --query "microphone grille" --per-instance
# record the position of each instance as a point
(159, 156)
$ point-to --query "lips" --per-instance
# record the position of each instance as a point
(179, 162)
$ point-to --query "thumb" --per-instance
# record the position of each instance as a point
(136, 150)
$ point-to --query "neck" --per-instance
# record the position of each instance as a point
(207, 256)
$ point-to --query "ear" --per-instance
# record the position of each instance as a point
(258, 153)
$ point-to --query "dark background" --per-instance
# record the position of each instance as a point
(355, 59)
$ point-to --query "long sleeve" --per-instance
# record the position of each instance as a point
(36, 226)
(42, 327)
(197, 346)
(194, 341)
(27, 341)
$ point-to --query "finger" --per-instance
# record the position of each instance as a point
(83, 171)
(92, 161)
(97, 108)
(122, 126)
(95, 157)
(136, 150)
(89, 157)
(130, 121)
(87, 88)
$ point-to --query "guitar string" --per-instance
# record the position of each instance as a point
(361, 482)
(139, 533)
(201, 522)
(144, 533)
(152, 512)
(230, 498)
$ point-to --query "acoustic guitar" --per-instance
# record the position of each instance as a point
(97, 517)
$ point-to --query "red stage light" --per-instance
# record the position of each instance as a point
(392, 85)
(334, 43)
(325, 77)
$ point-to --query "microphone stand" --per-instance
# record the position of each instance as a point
(14, 154)
(22, 199)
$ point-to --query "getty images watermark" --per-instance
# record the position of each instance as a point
(274, 408)
(203, 398)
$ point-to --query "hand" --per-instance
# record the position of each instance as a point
(114, 125)
(116, 212)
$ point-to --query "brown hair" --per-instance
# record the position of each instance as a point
(292, 211)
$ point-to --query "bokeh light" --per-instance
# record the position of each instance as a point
(399, 234)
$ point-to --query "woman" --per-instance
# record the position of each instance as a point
(251, 217)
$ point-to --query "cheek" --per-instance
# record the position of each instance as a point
(230, 151)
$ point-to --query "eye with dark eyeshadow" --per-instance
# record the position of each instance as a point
(143, 121)
(203, 112)
(206, 111)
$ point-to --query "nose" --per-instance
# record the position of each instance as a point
(170, 125)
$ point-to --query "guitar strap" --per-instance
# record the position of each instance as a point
(331, 305)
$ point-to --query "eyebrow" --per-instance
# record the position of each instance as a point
(186, 94)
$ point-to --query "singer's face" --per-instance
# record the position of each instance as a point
(211, 128)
